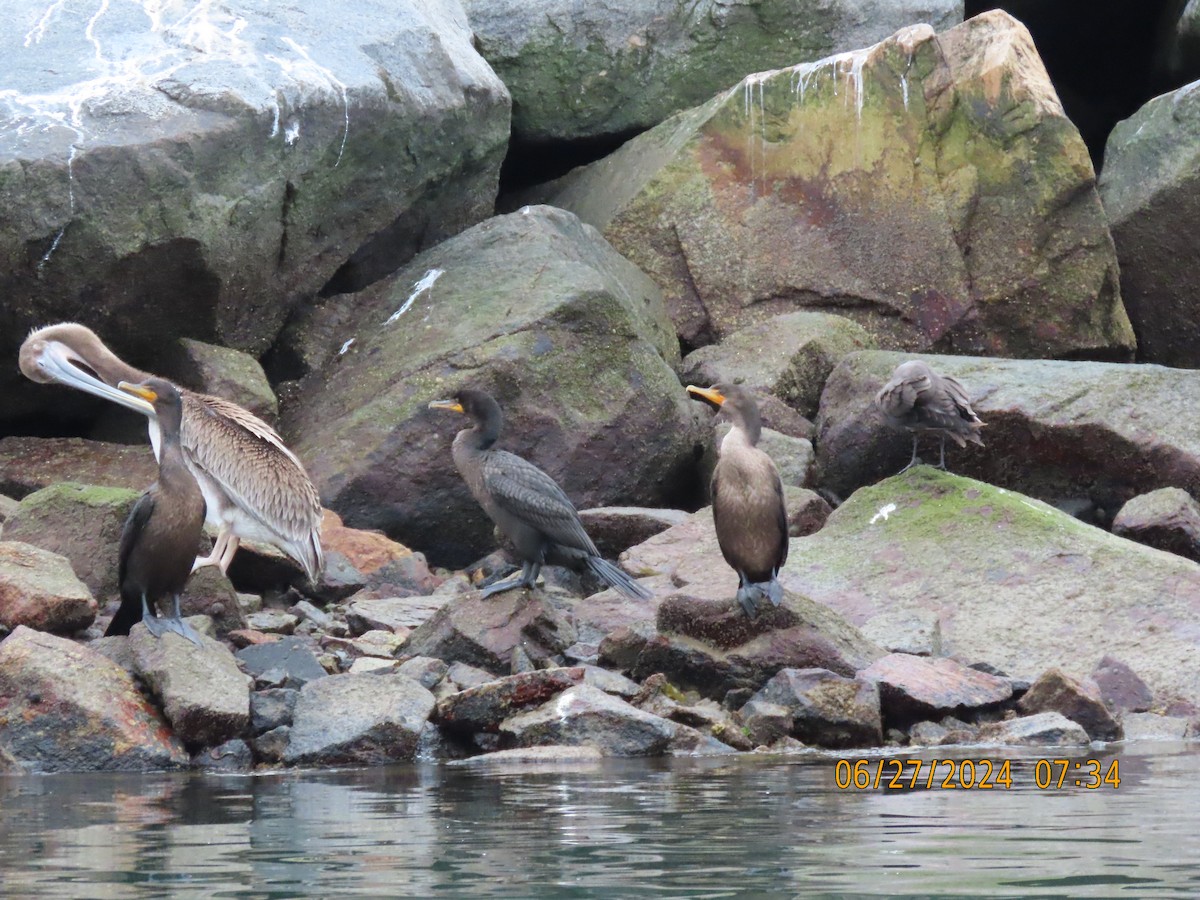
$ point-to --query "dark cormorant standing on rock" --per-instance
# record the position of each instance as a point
(526, 503)
(158, 543)
(919, 399)
(747, 500)
(253, 485)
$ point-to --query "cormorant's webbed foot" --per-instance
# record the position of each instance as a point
(527, 579)
(153, 624)
(775, 591)
(748, 596)
(176, 624)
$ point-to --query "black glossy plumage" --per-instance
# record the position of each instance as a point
(525, 503)
(747, 500)
(161, 535)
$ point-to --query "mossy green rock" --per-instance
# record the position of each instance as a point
(1015, 582)
(224, 372)
(537, 309)
(584, 70)
(1090, 431)
(1151, 191)
(201, 171)
(929, 187)
(82, 522)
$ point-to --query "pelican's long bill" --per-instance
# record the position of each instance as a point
(452, 405)
(708, 395)
(58, 363)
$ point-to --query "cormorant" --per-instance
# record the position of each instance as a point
(919, 399)
(526, 503)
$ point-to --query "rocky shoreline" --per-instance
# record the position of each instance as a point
(800, 232)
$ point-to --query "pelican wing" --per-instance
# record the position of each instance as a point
(248, 461)
(525, 491)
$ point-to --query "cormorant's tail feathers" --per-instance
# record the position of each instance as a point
(617, 578)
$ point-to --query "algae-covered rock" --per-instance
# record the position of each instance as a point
(38, 589)
(929, 187)
(1151, 191)
(67, 708)
(534, 307)
(199, 170)
(1055, 429)
(583, 70)
(28, 464)
(82, 522)
(1014, 582)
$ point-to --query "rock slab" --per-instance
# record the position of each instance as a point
(39, 589)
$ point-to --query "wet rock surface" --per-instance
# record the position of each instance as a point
(826, 709)
(1079, 701)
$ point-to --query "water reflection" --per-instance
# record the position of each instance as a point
(734, 827)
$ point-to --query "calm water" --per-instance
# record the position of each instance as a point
(735, 827)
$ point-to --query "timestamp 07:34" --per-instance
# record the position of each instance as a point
(974, 774)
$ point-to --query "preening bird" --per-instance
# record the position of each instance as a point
(160, 537)
(747, 499)
(527, 504)
(920, 400)
(254, 487)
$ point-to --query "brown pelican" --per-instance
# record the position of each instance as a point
(158, 542)
(254, 487)
(526, 503)
(919, 399)
(747, 500)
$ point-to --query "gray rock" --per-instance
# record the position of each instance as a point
(484, 632)
(947, 731)
(1148, 184)
(621, 649)
(425, 670)
(223, 372)
(1053, 399)
(587, 71)
(917, 632)
(913, 687)
(358, 720)
(485, 707)
(232, 756)
(826, 709)
(271, 746)
(536, 298)
(67, 708)
(390, 613)
(610, 682)
(806, 511)
(519, 759)
(706, 643)
(788, 356)
(1048, 729)
(271, 708)
(374, 665)
(765, 722)
(586, 716)
(971, 224)
(1120, 687)
(39, 589)
(468, 676)
(884, 549)
(28, 464)
(1079, 701)
(1168, 518)
(615, 529)
(79, 521)
(309, 613)
(273, 621)
(1148, 726)
(201, 690)
(141, 196)
(290, 657)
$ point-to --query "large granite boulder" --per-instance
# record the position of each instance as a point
(587, 70)
(223, 372)
(1151, 191)
(67, 708)
(537, 308)
(1014, 582)
(1090, 431)
(1168, 518)
(201, 170)
(39, 589)
(929, 187)
(82, 522)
